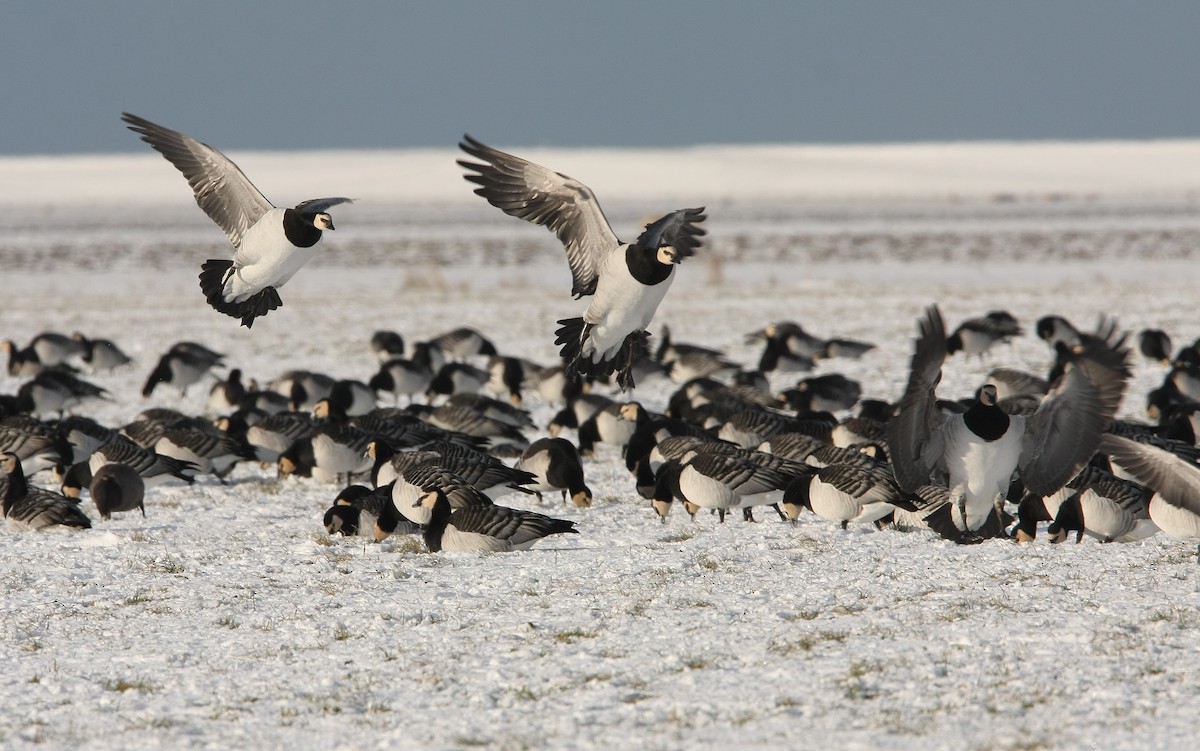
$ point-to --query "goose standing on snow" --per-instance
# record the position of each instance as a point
(626, 281)
(490, 528)
(272, 243)
(101, 355)
(1175, 505)
(28, 507)
(976, 452)
(556, 465)
(117, 487)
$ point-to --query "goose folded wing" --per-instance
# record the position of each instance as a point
(861, 483)
(501, 523)
(742, 476)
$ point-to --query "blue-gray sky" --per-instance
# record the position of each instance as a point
(265, 74)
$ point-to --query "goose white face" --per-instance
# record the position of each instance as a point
(662, 508)
(667, 255)
(427, 500)
(323, 221)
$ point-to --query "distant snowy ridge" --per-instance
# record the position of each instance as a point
(1169, 168)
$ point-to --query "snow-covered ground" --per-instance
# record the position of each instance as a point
(228, 618)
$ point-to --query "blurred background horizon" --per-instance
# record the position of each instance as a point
(306, 75)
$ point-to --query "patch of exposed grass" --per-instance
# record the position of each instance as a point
(689, 604)
(709, 563)
(121, 685)
(804, 642)
(467, 741)
(228, 621)
(852, 608)
(411, 544)
(137, 598)
(802, 615)
(694, 662)
(573, 635)
(168, 565)
(855, 686)
(743, 718)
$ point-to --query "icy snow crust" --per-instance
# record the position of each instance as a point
(229, 619)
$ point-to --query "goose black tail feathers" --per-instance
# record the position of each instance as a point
(212, 283)
(571, 336)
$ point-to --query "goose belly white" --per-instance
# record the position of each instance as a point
(410, 380)
(166, 447)
(705, 492)
(537, 465)
(338, 458)
(614, 429)
(404, 496)
(1173, 520)
(828, 502)
(454, 539)
(760, 499)
(1054, 501)
(267, 445)
(620, 306)
(1105, 520)
(387, 473)
(265, 258)
(979, 470)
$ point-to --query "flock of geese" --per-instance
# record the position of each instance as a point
(1024, 451)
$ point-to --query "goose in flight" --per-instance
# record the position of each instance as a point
(271, 243)
(626, 281)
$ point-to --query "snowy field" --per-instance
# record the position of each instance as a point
(227, 618)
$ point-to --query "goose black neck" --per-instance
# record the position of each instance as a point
(666, 485)
(437, 524)
(987, 422)
(18, 488)
(644, 265)
(299, 229)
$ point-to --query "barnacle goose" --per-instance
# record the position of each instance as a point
(28, 507)
(976, 452)
(485, 528)
(271, 243)
(555, 464)
(117, 487)
(627, 281)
